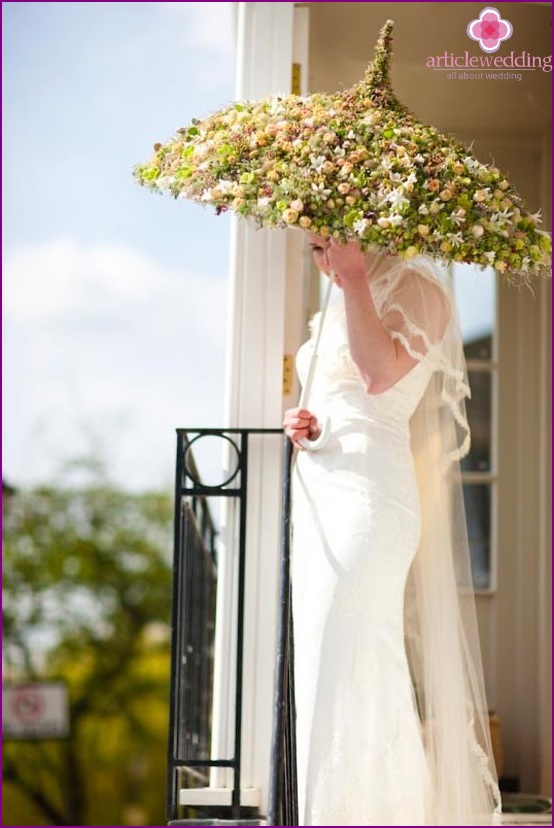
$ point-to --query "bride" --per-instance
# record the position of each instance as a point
(392, 725)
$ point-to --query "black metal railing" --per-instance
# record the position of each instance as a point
(283, 790)
(193, 614)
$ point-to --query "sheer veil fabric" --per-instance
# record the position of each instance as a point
(416, 304)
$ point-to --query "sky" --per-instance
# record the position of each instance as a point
(114, 299)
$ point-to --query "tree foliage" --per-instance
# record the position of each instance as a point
(86, 581)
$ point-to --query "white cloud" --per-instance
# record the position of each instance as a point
(64, 279)
(101, 339)
(61, 277)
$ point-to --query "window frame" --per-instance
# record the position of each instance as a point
(489, 477)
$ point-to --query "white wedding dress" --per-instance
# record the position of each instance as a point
(356, 525)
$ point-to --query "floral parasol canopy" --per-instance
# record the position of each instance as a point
(359, 165)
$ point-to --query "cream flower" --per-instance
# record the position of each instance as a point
(297, 205)
(290, 216)
(481, 195)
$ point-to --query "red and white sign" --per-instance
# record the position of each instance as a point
(35, 711)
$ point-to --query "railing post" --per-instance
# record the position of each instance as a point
(235, 811)
(176, 610)
(283, 715)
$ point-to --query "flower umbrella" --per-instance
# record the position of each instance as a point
(356, 164)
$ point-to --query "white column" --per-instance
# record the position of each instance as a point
(255, 349)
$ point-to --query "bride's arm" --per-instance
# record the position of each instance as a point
(381, 360)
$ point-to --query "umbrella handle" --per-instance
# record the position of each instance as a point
(314, 445)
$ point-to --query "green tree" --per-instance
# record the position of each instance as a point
(86, 581)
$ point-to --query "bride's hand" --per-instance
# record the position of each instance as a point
(348, 263)
(299, 423)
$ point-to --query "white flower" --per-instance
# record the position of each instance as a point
(320, 190)
(525, 264)
(165, 181)
(412, 178)
(490, 256)
(436, 206)
(458, 216)
(474, 164)
(317, 162)
(360, 226)
(455, 239)
(225, 186)
(396, 219)
(275, 105)
(496, 222)
(263, 202)
(386, 163)
(351, 135)
(397, 199)
(507, 214)
(422, 210)
(536, 217)
(206, 195)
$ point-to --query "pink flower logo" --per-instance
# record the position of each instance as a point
(490, 29)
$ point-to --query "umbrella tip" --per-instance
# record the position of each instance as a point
(377, 76)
